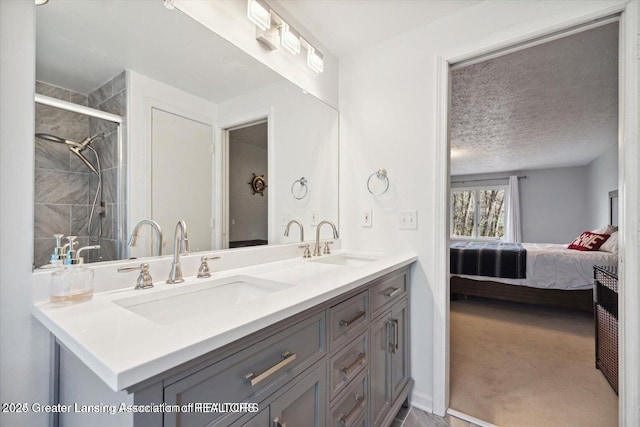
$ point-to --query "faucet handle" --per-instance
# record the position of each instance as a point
(203, 271)
(326, 250)
(307, 252)
(144, 278)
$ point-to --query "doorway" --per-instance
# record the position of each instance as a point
(484, 177)
(247, 149)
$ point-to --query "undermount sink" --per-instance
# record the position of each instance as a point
(346, 260)
(178, 304)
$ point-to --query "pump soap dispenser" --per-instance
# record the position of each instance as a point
(74, 282)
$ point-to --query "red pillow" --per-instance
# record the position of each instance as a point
(588, 241)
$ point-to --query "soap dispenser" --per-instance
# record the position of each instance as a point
(74, 282)
(58, 255)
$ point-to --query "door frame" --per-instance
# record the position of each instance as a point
(629, 370)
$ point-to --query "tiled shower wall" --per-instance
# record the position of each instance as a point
(64, 187)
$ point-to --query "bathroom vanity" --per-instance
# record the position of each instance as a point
(294, 342)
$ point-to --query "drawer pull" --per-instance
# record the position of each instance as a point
(359, 314)
(390, 292)
(286, 359)
(348, 369)
(278, 423)
(346, 419)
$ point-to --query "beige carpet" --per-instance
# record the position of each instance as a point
(519, 365)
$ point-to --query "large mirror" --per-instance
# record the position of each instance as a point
(145, 117)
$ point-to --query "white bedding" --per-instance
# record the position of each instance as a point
(553, 266)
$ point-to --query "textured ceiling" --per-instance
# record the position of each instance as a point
(551, 105)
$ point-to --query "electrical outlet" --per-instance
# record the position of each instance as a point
(314, 218)
(366, 220)
(408, 220)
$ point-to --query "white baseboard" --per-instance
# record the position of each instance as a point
(421, 401)
(469, 418)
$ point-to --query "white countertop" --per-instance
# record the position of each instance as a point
(124, 348)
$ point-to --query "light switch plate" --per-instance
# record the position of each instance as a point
(365, 218)
(408, 220)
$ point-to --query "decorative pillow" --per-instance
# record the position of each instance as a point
(588, 241)
(611, 245)
(607, 229)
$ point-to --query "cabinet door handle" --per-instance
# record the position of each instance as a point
(390, 292)
(359, 359)
(358, 315)
(286, 359)
(278, 423)
(345, 419)
(392, 345)
(396, 329)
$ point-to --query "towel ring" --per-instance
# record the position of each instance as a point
(302, 184)
(381, 174)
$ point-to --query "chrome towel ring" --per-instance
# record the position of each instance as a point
(302, 190)
(381, 174)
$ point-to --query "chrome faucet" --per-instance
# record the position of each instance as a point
(175, 275)
(316, 250)
(133, 240)
(293, 221)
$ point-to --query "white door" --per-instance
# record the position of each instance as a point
(182, 178)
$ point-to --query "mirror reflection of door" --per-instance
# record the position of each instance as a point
(248, 207)
(182, 178)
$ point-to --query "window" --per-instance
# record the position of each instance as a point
(478, 213)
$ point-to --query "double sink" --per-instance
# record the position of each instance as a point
(227, 294)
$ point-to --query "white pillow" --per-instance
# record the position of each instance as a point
(611, 245)
(607, 229)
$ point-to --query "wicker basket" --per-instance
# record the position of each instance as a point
(606, 311)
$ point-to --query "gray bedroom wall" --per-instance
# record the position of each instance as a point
(248, 212)
(602, 175)
(554, 203)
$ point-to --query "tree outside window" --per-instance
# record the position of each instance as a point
(478, 213)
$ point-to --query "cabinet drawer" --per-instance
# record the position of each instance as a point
(390, 288)
(251, 374)
(351, 406)
(348, 319)
(347, 363)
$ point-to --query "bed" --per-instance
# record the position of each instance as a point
(554, 275)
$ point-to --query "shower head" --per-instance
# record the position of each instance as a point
(78, 152)
(75, 147)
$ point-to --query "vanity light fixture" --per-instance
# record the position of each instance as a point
(169, 4)
(315, 60)
(41, 2)
(259, 14)
(273, 32)
(289, 39)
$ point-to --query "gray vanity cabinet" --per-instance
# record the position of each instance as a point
(342, 363)
(389, 362)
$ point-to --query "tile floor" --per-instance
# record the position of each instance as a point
(413, 417)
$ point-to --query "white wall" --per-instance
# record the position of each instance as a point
(388, 115)
(602, 176)
(24, 343)
(229, 20)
